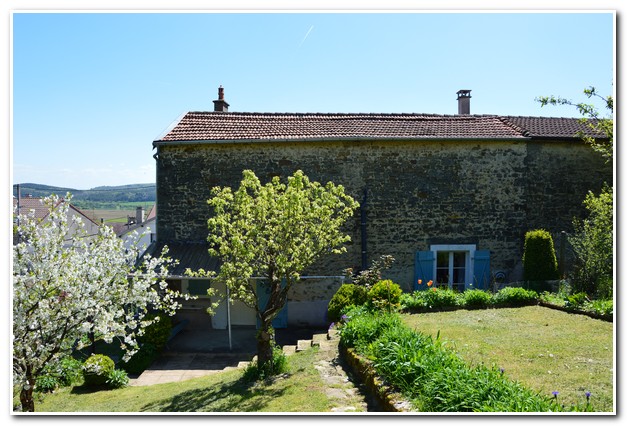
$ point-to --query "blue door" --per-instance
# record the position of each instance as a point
(263, 295)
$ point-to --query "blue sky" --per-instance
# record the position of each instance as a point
(91, 91)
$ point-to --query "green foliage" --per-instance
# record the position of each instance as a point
(385, 295)
(539, 261)
(434, 377)
(576, 300)
(433, 298)
(158, 332)
(275, 231)
(346, 295)
(278, 365)
(363, 327)
(96, 369)
(476, 299)
(46, 383)
(104, 197)
(65, 372)
(117, 379)
(141, 360)
(593, 245)
(515, 296)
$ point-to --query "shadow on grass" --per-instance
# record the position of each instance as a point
(236, 396)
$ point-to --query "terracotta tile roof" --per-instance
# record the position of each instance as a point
(552, 127)
(211, 126)
(27, 204)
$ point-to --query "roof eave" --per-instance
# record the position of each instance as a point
(340, 139)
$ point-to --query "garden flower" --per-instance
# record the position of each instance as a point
(588, 395)
(332, 325)
(419, 282)
(344, 318)
(555, 393)
(430, 283)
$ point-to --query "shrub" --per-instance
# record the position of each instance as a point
(141, 360)
(117, 379)
(96, 369)
(576, 301)
(476, 299)
(385, 295)
(46, 383)
(278, 365)
(346, 295)
(157, 333)
(441, 298)
(64, 372)
(600, 307)
(515, 296)
(539, 261)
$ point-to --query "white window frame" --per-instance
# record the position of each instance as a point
(469, 249)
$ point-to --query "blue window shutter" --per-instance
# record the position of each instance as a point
(263, 295)
(481, 274)
(423, 269)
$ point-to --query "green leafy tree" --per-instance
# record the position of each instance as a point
(274, 231)
(593, 240)
(593, 244)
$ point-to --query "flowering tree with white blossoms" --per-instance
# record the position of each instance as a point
(66, 285)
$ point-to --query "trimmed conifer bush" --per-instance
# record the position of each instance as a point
(539, 261)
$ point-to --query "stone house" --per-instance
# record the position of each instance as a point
(450, 197)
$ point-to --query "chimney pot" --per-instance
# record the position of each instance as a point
(220, 105)
(463, 102)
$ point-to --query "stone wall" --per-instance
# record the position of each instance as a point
(419, 193)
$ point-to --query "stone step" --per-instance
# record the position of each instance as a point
(289, 349)
(303, 345)
(318, 339)
(241, 364)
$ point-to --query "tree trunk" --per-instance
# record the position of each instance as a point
(26, 395)
(265, 343)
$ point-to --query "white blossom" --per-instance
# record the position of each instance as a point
(66, 285)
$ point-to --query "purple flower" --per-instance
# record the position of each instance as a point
(502, 370)
(588, 395)
(332, 325)
(555, 393)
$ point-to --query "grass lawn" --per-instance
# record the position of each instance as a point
(544, 349)
(300, 390)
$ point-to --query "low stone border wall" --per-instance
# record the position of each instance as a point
(386, 396)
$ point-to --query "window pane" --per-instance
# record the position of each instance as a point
(459, 259)
(459, 275)
(442, 259)
(441, 276)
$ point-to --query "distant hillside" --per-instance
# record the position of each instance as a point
(144, 192)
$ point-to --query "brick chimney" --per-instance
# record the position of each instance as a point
(220, 105)
(463, 102)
